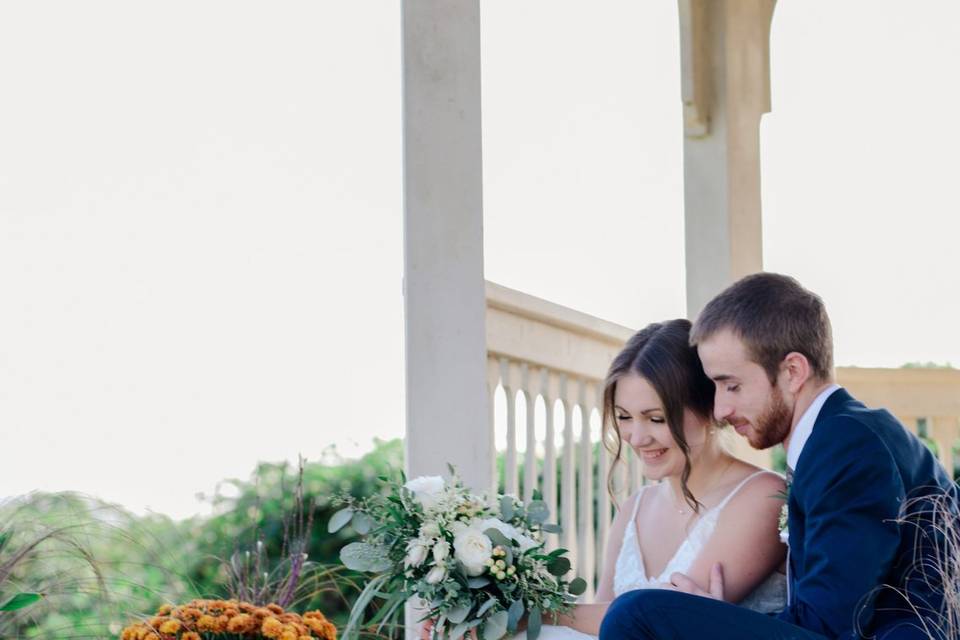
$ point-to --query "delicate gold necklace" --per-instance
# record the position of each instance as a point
(685, 511)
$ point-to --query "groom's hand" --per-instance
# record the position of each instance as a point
(686, 584)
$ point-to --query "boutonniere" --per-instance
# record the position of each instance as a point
(784, 515)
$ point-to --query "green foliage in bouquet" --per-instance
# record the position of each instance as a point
(477, 562)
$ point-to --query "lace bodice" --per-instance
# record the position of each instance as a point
(630, 574)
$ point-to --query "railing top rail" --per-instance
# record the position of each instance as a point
(550, 313)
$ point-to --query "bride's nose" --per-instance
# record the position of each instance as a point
(637, 437)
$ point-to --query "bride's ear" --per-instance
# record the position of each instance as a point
(796, 370)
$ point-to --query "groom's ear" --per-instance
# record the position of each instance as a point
(796, 370)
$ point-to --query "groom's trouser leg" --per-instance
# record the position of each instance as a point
(654, 614)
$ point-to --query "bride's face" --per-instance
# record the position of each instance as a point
(642, 424)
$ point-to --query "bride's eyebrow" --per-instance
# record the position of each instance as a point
(643, 413)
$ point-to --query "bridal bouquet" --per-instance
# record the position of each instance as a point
(476, 562)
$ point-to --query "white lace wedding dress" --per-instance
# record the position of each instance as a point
(770, 596)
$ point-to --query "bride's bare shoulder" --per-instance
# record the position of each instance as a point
(761, 489)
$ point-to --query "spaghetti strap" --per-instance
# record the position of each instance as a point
(636, 503)
(737, 488)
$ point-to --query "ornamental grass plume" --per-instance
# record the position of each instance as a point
(935, 599)
(229, 620)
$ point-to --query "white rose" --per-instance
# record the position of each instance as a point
(437, 574)
(472, 548)
(524, 542)
(416, 554)
(426, 490)
(429, 530)
(441, 550)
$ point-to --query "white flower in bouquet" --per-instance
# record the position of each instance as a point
(437, 575)
(525, 542)
(416, 553)
(782, 524)
(430, 530)
(427, 490)
(441, 550)
(472, 548)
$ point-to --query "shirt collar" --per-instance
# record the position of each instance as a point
(805, 426)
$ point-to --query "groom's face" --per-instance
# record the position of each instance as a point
(745, 397)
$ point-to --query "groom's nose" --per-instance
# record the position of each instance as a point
(722, 410)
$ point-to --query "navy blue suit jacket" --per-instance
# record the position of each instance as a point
(854, 474)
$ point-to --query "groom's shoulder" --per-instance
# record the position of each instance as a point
(851, 430)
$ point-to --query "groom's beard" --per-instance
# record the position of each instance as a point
(773, 425)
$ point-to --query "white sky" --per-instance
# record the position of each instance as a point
(200, 210)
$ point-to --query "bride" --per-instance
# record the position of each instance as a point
(702, 508)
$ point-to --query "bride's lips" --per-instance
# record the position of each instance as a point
(652, 455)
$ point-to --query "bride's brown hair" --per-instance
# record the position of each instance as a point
(660, 354)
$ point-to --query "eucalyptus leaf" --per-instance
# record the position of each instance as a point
(506, 508)
(362, 556)
(362, 523)
(551, 528)
(577, 586)
(458, 614)
(514, 613)
(496, 626)
(538, 512)
(534, 623)
(497, 538)
(559, 566)
(460, 631)
(20, 600)
(339, 520)
(476, 583)
(486, 607)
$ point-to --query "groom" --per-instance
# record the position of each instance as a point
(766, 343)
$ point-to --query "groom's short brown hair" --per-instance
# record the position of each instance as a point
(774, 316)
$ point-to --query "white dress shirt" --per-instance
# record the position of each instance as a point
(801, 432)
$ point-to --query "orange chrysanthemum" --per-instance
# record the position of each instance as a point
(189, 621)
(242, 623)
(170, 627)
(271, 628)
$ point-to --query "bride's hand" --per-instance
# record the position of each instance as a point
(686, 584)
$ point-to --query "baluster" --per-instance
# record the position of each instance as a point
(550, 454)
(568, 481)
(510, 470)
(530, 457)
(585, 555)
(493, 379)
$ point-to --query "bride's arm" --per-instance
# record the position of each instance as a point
(587, 617)
(746, 541)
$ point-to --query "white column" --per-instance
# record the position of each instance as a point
(726, 88)
(447, 416)
(444, 289)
